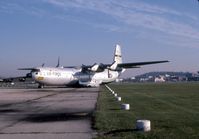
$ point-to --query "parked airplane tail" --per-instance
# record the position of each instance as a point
(118, 54)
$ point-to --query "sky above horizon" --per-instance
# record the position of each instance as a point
(86, 31)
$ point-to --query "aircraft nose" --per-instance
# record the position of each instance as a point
(37, 76)
(34, 75)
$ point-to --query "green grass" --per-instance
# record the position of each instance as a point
(172, 108)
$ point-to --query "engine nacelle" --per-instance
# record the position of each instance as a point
(113, 66)
(97, 68)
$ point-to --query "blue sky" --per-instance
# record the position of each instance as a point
(85, 32)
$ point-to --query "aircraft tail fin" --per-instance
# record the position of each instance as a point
(118, 54)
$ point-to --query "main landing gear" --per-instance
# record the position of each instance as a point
(40, 86)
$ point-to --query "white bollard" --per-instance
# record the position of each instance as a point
(143, 125)
(118, 98)
(125, 106)
(115, 94)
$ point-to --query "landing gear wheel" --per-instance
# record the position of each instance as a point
(41, 86)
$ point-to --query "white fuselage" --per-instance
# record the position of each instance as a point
(71, 76)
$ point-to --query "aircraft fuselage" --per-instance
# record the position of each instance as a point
(71, 76)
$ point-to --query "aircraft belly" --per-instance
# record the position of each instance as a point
(54, 81)
(106, 77)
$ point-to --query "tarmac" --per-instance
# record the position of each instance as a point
(50, 113)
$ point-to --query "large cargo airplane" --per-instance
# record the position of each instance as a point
(85, 75)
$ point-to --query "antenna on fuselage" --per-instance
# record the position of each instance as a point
(58, 62)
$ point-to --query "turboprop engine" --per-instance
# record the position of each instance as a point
(97, 67)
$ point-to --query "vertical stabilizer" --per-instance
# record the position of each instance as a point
(118, 54)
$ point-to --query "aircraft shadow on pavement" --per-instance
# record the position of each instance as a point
(9, 110)
(55, 117)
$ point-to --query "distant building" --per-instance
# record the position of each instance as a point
(118, 80)
(132, 78)
(159, 79)
(144, 79)
(165, 77)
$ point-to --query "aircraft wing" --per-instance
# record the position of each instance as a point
(20, 78)
(101, 66)
(95, 67)
(26, 68)
(73, 67)
(137, 64)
